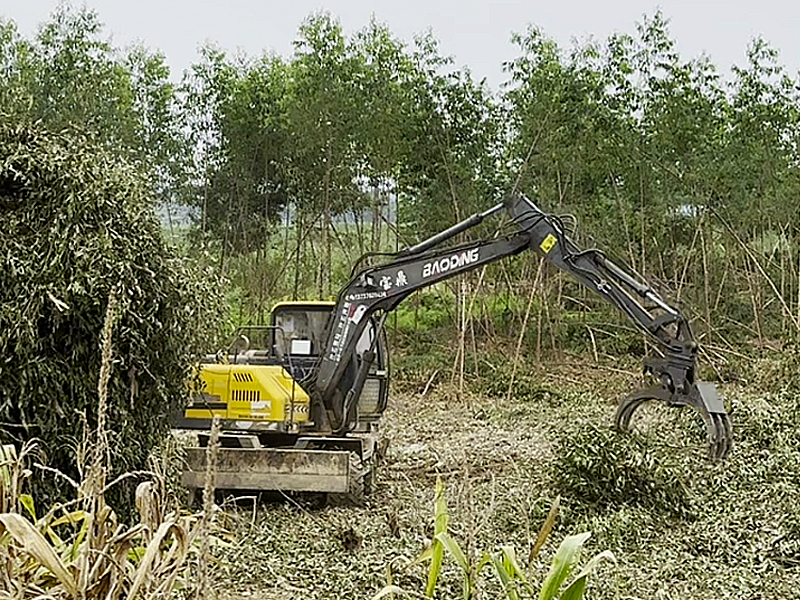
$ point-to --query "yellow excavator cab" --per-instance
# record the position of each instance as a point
(258, 386)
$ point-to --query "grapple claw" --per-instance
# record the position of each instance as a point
(703, 398)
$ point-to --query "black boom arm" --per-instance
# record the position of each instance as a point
(383, 287)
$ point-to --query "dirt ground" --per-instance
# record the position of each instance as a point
(680, 526)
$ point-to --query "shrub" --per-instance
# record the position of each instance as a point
(604, 468)
(78, 224)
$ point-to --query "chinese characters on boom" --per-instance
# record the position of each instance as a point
(400, 280)
(352, 311)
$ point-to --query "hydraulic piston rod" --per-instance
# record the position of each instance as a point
(450, 232)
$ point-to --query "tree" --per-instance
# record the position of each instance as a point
(451, 166)
(235, 114)
(70, 76)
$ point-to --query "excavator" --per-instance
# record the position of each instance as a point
(300, 400)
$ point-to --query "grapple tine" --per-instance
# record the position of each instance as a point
(722, 435)
(703, 398)
(629, 404)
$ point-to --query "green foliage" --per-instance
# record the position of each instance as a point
(426, 315)
(453, 146)
(771, 423)
(77, 224)
(512, 577)
(236, 116)
(69, 75)
(777, 372)
(361, 142)
(601, 467)
(656, 156)
(349, 133)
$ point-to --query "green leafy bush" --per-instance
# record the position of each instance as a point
(77, 224)
(606, 468)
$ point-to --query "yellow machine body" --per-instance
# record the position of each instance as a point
(255, 385)
(248, 392)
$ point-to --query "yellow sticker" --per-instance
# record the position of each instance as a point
(548, 243)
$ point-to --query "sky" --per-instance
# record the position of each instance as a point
(476, 33)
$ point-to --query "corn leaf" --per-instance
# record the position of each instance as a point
(437, 556)
(437, 548)
(8, 455)
(389, 590)
(55, 539)
(458, 555)
(35, 544)
(486, 559)
(505, 578)
(440, 509)
(27, 503)
(575, 590)
(424, 556)
(72, 517)
(511, 565)
(153, 548)
(455, 551)
(79, 539)
(564, 562)
(544, 532)
(578, 587)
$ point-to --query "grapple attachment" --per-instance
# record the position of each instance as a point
(701, 396)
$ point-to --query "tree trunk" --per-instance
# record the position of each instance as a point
(706, 283)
